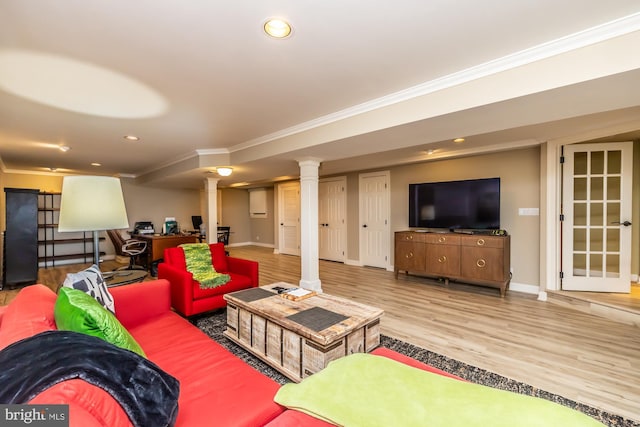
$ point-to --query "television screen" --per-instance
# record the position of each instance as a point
(469, 204)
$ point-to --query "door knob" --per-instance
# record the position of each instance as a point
(364, 226)
(626, 223)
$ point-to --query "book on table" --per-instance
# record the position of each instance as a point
(297, 294)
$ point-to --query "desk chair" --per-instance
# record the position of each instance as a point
(223, 236)
(128, 247)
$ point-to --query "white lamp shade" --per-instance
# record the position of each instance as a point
(92, 203)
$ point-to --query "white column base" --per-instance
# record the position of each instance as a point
(312, 285)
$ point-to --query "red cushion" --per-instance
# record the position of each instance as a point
(292, 418)
(219, 257)
(237, 283)
(89, 405)
(29, 313)
(216, 387)
(382, 351)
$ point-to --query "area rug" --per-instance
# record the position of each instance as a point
(214, 325)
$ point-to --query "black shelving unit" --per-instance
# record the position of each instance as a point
(50, 242)
(20, 266)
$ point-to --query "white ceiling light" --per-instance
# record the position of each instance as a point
(64, 148)
(131, 138)
(224, 171)
(277, 28)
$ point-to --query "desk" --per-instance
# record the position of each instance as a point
(157, 244)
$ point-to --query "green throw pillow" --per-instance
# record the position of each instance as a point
(79, 312)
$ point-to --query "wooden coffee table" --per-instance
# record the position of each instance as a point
(299, 338)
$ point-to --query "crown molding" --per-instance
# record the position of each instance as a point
(581, 39)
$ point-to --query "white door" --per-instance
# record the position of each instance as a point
(289, 213)
(374, 219)
(596, 204)
(332, 214)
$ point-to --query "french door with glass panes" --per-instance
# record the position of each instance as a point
(596, 206)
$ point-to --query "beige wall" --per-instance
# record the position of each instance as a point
(49, 183)
(519, 173)
(244, 229)
(155, 204)
(142, 203)
(235, 214)
(262, 229)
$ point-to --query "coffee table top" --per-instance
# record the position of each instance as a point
(123, 277)
(321, 318)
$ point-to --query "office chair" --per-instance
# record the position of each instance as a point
(223, 236)
(128, 247)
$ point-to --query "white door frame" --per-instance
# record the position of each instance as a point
(386, 236)
(589, 279)
(550, 202)
(281, 218)
(342, 226)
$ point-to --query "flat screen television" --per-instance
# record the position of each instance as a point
(470, 204)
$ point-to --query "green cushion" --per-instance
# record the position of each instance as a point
(79, 312)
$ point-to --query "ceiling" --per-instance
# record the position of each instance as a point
(358, 85)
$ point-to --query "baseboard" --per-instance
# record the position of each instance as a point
(353, 262)
(524, 288)
(264, 245)
(77, 261)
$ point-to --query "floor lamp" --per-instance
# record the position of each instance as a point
(92, 203)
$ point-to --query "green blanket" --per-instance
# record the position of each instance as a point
(367, 390)
(199, 263)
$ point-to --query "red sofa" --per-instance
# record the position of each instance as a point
(186, 296)
(216, 387)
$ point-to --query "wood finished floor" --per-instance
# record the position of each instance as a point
(580, 356)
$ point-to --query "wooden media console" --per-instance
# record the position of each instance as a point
(479, 259)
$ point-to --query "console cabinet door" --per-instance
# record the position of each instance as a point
(478, 259)
(483, 258)
(410, 254)
(443, 255)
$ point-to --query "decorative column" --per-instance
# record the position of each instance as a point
(310, 268)
(211, 218)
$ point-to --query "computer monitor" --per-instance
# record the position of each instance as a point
(196, 220)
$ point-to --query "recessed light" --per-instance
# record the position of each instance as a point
(64, 148)
(458, 140)
(430, 152)
(131, 138)
(277, 28)
(96, 164)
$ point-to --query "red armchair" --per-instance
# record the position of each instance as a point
(186, 296)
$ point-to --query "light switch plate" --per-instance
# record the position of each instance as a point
(529, 211)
